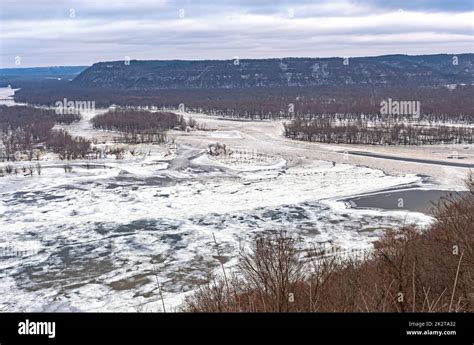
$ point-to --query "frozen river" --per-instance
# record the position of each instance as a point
(97, 239)
(106, 235)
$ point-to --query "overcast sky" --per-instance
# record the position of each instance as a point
(68, 32)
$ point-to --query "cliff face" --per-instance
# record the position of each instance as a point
(429, 70)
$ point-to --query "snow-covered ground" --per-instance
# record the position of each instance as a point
(105, 236)
(6, 96)
(96, 237)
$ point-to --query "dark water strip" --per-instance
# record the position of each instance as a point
(414, 160)
(416, 200)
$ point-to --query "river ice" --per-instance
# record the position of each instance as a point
(99, 238)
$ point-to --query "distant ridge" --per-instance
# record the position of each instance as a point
(390, 70)
(52, 71)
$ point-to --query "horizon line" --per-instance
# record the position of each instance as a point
(241, 59)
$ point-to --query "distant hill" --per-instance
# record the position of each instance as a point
(21, 77)
(54, 71)
(390, 70)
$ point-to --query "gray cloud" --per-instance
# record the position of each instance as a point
(43, 33)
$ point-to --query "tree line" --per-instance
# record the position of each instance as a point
(140, 126)
(29, 131)
(437, 103)
(362, 130)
